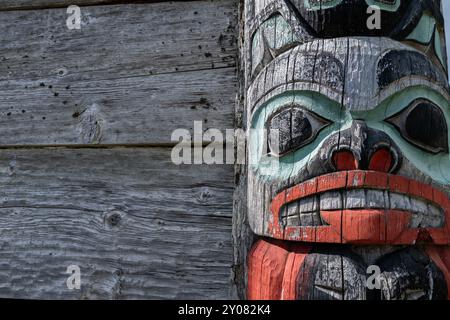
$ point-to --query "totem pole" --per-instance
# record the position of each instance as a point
(357, 177)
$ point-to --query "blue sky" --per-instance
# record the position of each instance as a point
(446, 4)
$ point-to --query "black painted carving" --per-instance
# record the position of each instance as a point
(321, 276)
(406, 274)
(296, 127)
(396, 65)
(409, 274)
(424, 125)
(349, 18)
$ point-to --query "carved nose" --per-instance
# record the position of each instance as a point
(381, 160)
(344, 160)
(362, 148)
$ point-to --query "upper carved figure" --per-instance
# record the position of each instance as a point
(362, 122)
(281, 24)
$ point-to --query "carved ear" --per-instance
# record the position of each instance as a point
(272, 38)
(424, 125)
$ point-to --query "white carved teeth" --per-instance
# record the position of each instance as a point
(377, 198)
(302, 213)
(330, 200)
(355, 199)
(306, 212)
(399, 202)
(310, 204)
(432, 218)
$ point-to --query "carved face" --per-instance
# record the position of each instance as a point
(362, 154)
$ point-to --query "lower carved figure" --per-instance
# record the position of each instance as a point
(290, 271)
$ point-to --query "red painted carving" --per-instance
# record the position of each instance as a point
(381, 161)
(362, 226)
(441, 256)
(345, 160)
(273, 268)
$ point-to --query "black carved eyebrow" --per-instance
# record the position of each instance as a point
(333, 19)
(397, 64)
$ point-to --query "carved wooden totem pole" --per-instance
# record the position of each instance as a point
(357, 176)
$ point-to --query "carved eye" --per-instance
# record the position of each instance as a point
(272, 38)
(292, 128)
(424, 125)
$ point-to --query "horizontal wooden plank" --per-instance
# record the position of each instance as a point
(136, 225)
(131, 75)
(137, 110)
(39, 4)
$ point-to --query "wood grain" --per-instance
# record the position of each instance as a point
(39, 4)
(137, 225)
(125, 78)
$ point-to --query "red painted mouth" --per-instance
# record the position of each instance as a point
(366, 225)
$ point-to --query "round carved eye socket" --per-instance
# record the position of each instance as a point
(424, 125)
(292, 128)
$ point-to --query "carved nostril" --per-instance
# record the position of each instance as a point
(345, 160)
(381, 160)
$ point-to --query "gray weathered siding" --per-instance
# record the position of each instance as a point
(85, 170)
(124, 78)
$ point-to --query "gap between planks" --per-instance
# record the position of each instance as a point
(9, 5)
(108, 146)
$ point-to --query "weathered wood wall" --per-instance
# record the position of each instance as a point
(85, 124)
